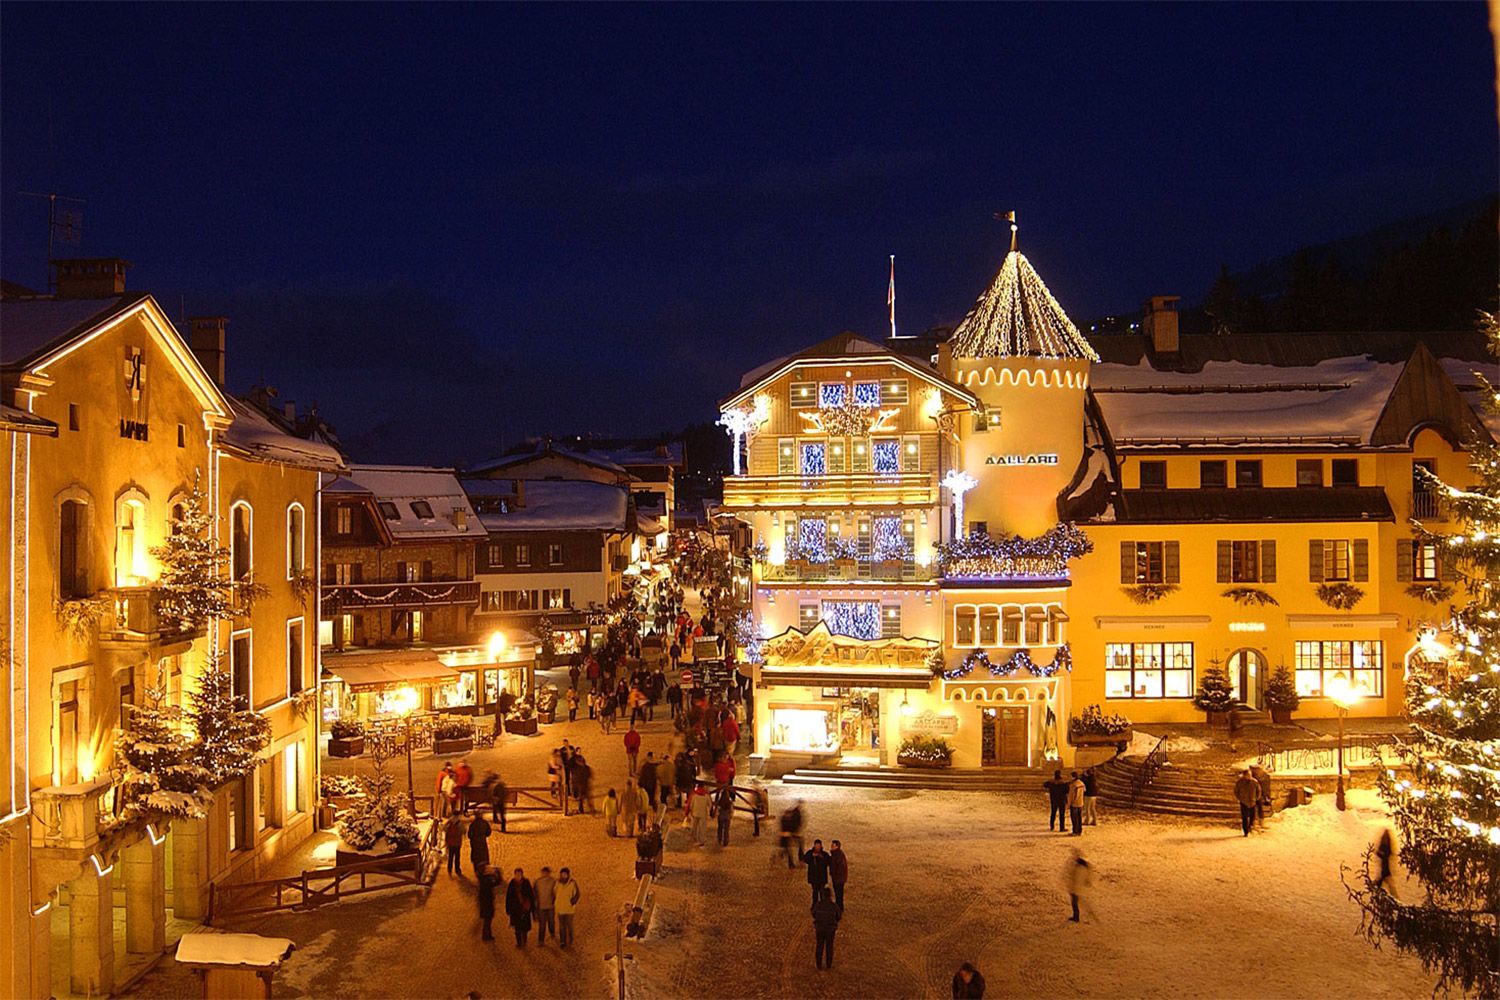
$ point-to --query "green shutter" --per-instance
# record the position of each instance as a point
(1268, 560)
(1226, 556)
(1361, 560)
(1171, 564)
(1404, 554)
(1315, 560)
(1127, 563)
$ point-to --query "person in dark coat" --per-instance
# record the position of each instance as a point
(967, 983)
(825, 915)
(453, 840)
(488, 878)
(1057, 796)
(1263, 807)
(583, 780)
(498, 795)
(817, 863)
(1247, 793)
(647, 778)
(479, 843)
(674, 699)
(520, 901)
(838, 873)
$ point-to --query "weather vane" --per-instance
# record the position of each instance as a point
(1011, 218)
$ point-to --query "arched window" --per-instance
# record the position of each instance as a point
(296, 541)
(130, 541)
(73, 549)
(239, 540)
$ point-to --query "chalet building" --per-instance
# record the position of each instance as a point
(1038, 522)
(111, 416)
(398, 583)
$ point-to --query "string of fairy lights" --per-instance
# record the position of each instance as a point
(1018, 317)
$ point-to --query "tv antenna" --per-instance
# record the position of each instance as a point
(63, 227)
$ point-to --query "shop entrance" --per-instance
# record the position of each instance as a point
(859, 725)
(1005, 736)
(1247, 670)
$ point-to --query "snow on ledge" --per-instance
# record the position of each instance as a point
(210, 948)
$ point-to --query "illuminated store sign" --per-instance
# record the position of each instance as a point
(1043, 459)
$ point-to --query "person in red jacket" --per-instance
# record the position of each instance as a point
(463, 776)
(632, 747)
(724, 770)
(731, 731)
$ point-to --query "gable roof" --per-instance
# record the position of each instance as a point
(846, 347)
(510, 462)
(17, 420)
(405, 485)
(555, 505)
(253, 435)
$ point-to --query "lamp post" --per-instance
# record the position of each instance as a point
(408, 704)
(1344, 695)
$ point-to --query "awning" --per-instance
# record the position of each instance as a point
(824, 677)
(382, 675)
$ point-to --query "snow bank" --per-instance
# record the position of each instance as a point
(210, 948)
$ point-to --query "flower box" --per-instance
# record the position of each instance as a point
(1281, 716)
(1120, 739)
(845, 569)
(521, 727)
(890, 569)
(546, 716)
(351, 747)
(462, 744)
(906, 760)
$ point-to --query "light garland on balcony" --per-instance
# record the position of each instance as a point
(980, 556)
(1062, 661)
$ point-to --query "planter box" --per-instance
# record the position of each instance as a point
(1121, 739)
(346, 748)
(1281, 716)
(1218, 718)
(547, 718)
(652, 868)
(521, 727)
(929, 764)
(397, 862)
(461, 745)
(890, 569)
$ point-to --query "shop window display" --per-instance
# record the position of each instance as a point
(804, 729)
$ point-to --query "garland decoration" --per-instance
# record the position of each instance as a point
(981, 556)
(1062, 661)
(1250, 597)
(1339, 596)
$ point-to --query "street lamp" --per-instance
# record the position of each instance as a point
(405, 702)
(1344, 695)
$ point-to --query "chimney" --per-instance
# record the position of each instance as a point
(1160, 323)
(207, 342)
(520, 485)
(289, 411)
(96, 278)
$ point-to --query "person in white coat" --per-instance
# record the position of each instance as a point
(1078, 876)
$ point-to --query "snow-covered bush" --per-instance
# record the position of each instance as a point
(453, 729)
(381, 821)
(924, 750)
(1093, 722)
(346, 729)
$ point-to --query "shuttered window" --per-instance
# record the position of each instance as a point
(1338, 560)
(1246, 561)
(1150, 562)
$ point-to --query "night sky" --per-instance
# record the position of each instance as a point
(452, 226)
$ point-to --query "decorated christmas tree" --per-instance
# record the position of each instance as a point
(1444, 790)
(195, 586)
(1215, 693)
(161, 775)
(230, 736)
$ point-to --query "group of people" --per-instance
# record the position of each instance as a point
(1074, 800)
(547, 903)
(570, 777)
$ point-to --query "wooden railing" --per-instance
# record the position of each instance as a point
(832, 490)
(422, 594)
(1153, 763)
(319, 886)
(1359, 751)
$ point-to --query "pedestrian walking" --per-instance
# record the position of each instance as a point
(488, 879)
(463, 776)
(632, 748)
(1079, 878)
(816, 860)
(629, 805)
(453, 840)
(1057, 797)
(666, 780)
(1247, 792)
(648, 778)
(567, 905)
(583, 779)
(1384, 850)
(697, 810)
(686, 773)
(1090, 798)
(642, 807)
(498, 796)
(674, 699)
(1075, 804)
(545, 890)
(724, 770)
(607, 712)
(723, 810)
(520, 901)
(838, 873)
(612, 814)
(968, 984)
(791, 833)
(825, 916)
(444, 787)
(573, 698)
(1264, 805)
(479, 842)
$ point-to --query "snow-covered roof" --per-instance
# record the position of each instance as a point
(30, 326)
(13, 418)
(670, 453)
(408, 487)
(846, 346)
(1018, 317)
(253, 434)
(510, 462)
(554, 505)
(206, 947)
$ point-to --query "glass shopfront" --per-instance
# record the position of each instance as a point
(457, 693)
(810, 728)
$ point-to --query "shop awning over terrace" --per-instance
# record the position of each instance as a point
(372, 672)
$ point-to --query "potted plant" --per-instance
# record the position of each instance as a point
(925, 751)
(346, 738)
(546, 705)
(1281, 696)
(452, 736)
(1093, 728)
(1215, 695)
(522, 722)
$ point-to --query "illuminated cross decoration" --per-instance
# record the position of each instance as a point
(959, 483)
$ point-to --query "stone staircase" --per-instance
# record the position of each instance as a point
(997, 779)
(1191, 793)
(1251, 716)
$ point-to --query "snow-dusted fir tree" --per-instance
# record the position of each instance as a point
(230, 736)
(195, 585)
(161, 775)
(1444, 792)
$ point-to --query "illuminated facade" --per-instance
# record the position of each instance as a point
(1088, 522)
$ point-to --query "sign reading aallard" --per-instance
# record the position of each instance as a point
(929, 723)
(1047, 458)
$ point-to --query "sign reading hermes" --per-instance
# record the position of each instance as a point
(1042, 459)
(929, 723)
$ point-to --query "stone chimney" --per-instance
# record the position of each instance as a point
(1160, 323)
(207, 342)
(95, 278)
(520, 485)
(289, 411)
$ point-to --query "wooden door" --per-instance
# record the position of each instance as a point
(1013, 736)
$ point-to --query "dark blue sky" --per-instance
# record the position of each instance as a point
(453, 225)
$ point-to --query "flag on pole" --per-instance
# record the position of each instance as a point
(890, 295)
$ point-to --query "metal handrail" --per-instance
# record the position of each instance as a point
(1146, 774)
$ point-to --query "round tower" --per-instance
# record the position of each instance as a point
(1028, 364)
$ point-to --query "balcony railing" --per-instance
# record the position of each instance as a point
(69, 816)
(426, 594)
(134, 618)
(834, 572)
(1425, 504)
(833, 490)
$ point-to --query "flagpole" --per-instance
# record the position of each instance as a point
(891, 297)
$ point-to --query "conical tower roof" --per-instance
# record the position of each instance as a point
(1017, 317)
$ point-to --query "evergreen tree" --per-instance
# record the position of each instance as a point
(1222, 305)
(1215, 692)
(1445, 793)
(162, 775)
(195, 586)
(230, 736)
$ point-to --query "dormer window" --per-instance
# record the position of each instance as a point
(422, 509)
(389, 511)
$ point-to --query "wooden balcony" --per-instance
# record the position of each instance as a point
(864, 489)
(836, 573)
(339, 597)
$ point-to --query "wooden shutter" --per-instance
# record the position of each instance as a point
(400, 572)
(1360, 560)
(1127, 563)
(1268, 560)
(70, 552)
(1404, 553)
(1171, 563)
(1446, 569)
(1315, 560)
(1226, 558)
(427, 569)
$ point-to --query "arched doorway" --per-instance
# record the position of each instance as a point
(1247, 673)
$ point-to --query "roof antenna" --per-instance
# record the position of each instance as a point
(68, 228)
(1011, 218)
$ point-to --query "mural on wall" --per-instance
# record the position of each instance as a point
(819, 647)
